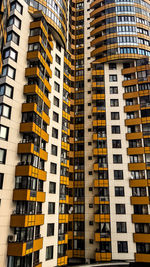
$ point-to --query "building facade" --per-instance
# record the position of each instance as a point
(74, 132)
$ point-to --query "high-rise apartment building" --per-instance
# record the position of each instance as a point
(74, 132)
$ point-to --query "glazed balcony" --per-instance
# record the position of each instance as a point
(28, 170)
(26, 220)
(33, 107)
(101, 200)
(28, 195)
(22, 249)
(101, 183)
(105, 256)
(31, 148)
(100, 166)
(29, 127)
(34, 89)
(99, 151)
(101, 237)
(98, 97)
(141, 218)
(98, 218)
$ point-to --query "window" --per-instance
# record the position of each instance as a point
(89, 104)
(57, 87)
(58, 46)
(112, 66)
(122, 247)
(58, 59)
(118, 174)
(1, 180)
(90, 173)
(89, 158)
(120, 209)
(89, 143)
(49, 253)
(8, 71)
(2, 155)
(113, 90)
(54, 150)
(6, 89)
(115, 129)
(89, 129)
(53, 168)
(4, 132)
(121, 227)
(5, 110)
(56, 101)
(57, 72)
(113, 78)
(117, 158)
(115, 116)
(10, 53)
(50, 229)
(17, 6)
(12, 36)
(54, 133)
(52, 187)
(116, 143)
(51, 207)
(55, 116)
(119, 191)
(13, 20)
(114, 102)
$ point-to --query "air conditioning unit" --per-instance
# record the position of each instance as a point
(12, 238)
(75, 198)
(14, 212)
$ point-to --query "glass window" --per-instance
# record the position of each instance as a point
(116, 143)
(53, 168)
(57, 87)
(2, 155)
(120, 209)
(112, 66)
(118, 174)
(57, 72)
(54, 150)
(4, 132)
(49, 253)
(115, 116)
(5, 110)
(114, 102)
(12, 36)
(119, 191)
(54, 133)
(58, 59)
(55, 116)
(121, 227)
(122, 246)
(113, 78)
(117, 159)
(6, 89)
(51, 207)
(115, 129)
(56, 101)
(1, 180)
(10, 53)
(8, 71)
(52, 187)
(50, 229)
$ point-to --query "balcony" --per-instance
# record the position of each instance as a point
(141, 238)
(101, 218)
(102, 237)
(29, 127)
(31, 148)
(141, 218)
(28, 170)
(137, 166)
(99, 122)
(63, 218)
(101, 183)
(61, 261)
(105, 256)
(99, 151)
(139, 257)
(101, 200)
(100, 166)
(26, 220)
(98, 97)
(28, 195)
(62, 239)
(22, 249)
(140, 200)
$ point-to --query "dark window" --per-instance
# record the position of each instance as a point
(56, 101)
(5, 111)
(6, 89)
(90, 173)
(51, 207)
(52, 187)
(115, 116)
(117, 158)
(89, 143)
(1, 180)
(119, 191)
(121, 227)
(8, 71)
(50, 229)
(122, 247)
(54, 133)
(114, 102)
(113, 90)
(58, 46)
(12, 36)
(54, 150)
(57, 87)
(58, 59)
(55, 116)
(57, 72)
(89, 104)
(89, 158)
(112, 66)
(53, 168)
(116, 143)
(113, 78)
(115, 129)
(2, 155)
(10, 53)
(118, 174)
(120, 209)
(49, 253)
(4, 132)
